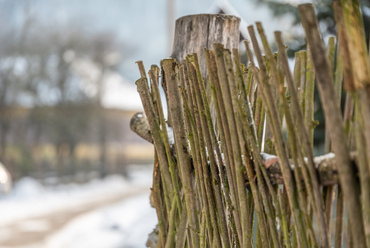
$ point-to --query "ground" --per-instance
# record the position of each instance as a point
(114, 213)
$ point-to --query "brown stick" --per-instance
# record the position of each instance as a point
(212, 227)
(171, 74)
(334, 120)
(143, 89)
(279, 141)
(212, 145)
(193, 126)
(339, 220)
(318, 201)
(236, 149)
(223, 133)
(158, 204)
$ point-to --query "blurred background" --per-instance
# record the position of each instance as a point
(80, 177)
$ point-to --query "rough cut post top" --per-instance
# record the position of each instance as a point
(193, 33)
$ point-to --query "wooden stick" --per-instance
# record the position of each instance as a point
(182, 228)
(307, 148)
(330, 53)
(334, 120)
(302, 81)
(183, 156)
(213, 147)
(277, 78)
(221, 120)
(196, 142)
(309, 96)
(143, 89)
(154, 83)
(245, 119)
(279, 141)
(339, 219)
(204, 141)
(158, 203)
(363, 168)
(233, 130)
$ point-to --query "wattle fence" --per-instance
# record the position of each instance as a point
(234, 164)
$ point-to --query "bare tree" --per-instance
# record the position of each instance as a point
(39, 70)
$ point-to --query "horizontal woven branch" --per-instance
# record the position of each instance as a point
(326, 165)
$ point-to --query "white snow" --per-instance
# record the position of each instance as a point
(111, 227)
(126, 224)
(171, 138)
(29, 198)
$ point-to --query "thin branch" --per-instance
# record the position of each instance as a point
(334, 121)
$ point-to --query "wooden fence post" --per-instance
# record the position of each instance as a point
(193, 33)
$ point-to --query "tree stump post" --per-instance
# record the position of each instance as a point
(193, 33)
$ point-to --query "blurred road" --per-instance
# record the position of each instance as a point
(34, 232)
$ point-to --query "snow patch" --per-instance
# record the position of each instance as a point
(26, 188)
(30, 198)
(126, 224)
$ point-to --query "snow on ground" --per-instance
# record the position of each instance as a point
(29, 198)
(123, 225)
